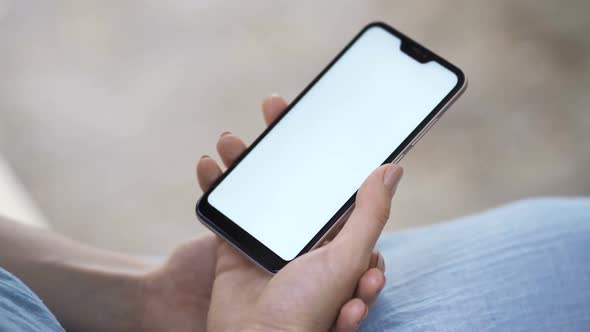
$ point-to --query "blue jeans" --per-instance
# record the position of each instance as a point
(521, 267)
(21, 310)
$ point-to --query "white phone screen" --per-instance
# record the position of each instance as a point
(304, 170)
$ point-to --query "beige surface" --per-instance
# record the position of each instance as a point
(106, 105)
(15, 202)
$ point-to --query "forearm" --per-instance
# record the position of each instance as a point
(87, 288)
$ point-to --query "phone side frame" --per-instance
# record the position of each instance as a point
(339, 224)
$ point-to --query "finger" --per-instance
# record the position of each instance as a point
(207, 172)
(230, 147)
(371, 212)
(374, 259)
(272, 107)
(377, 261)
(351, 315)
(370, 285)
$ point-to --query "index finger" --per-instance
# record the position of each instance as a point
(272, 107)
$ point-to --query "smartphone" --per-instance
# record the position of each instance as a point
(296, 184)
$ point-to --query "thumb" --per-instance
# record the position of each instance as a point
(371, 212)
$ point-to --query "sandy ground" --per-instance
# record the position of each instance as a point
(106, 105)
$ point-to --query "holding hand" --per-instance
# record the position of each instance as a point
(330, 287)
(205, 284)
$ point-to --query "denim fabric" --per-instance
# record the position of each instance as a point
(521, 267)
(21, 310)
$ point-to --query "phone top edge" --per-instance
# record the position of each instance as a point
(405, 38)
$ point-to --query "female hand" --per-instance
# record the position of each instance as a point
(330, 287)
(92, 289)
(177, 295)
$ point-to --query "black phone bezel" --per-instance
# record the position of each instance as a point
(254, 249)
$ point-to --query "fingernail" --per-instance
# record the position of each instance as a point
(204, 157)
(392, 176)
(381, 263)
(374, 259)
(225, 133)
(360, 322)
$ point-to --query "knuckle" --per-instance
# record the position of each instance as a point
(378, 214)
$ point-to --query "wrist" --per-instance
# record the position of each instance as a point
(98, 296)
(268, 326)
(120, 303)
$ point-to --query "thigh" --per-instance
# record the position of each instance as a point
(521, 267)
(21, 309)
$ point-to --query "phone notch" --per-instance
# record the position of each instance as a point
(415, 51)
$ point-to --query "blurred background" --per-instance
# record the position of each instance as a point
(105, 106)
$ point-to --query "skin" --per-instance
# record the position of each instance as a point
(315, 292)
(366, 286)
(320, 290)
(204, 284)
